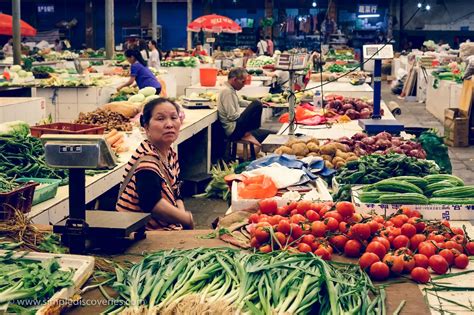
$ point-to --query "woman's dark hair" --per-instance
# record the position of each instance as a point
(136, 54)
(150, 106)
(143, 46)
(153, 42)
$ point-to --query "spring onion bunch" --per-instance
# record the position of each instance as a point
(228, 281)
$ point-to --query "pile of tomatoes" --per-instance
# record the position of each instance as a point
(401, 243)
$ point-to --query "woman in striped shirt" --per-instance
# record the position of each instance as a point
(151, 179)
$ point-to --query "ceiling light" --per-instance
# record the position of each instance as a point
(368, 16)
(428, 7)
(419, 4)
(314, 4)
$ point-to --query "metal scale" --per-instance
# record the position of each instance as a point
(78, 153)
(376, 124)
(196, 103)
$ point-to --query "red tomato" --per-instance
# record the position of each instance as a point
(283, 211)
(273, 220)
(438, 238)
(333, 214)
(418, 223)
(317, 206)
(318, 228)
(438, 264)
(339, 241)
(296, 231)
(395, 263)
(421, 260)
(416, 240)
(420, 275)
(457, 230)
(408, 230)
(453, 244)
(254, 218)
(345, 209)
(408, 263)
(427, 249)
(304, 248)
(461, 261)
(254, 243)
(378, 218)
(293, 212)
(280, 238)
(343, 227)
(415, 214)
(306, 228)
(312, 215)
(406, 211)
(445, 223)
(292, 205)
(458, 238)
(402, 251)
(388, 223)
(331, 224)
(382, 240)
(397, 221)
(470, 248)
(361, 231)
(374, 226)
(400, 241)
(268, 206)
(323, 252)
(352, 248)
(356, 217)
(265, 248)
(284, 226)
(379, 271)
(297, 218)
(367, 259)
(376, 248)
(303, 206)
(308, 239)
(262, 235)
(448, 255)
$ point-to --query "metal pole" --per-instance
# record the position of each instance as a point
(109, 29)
(154, 20)
(16, 32)
(190, 19)
(292, 101)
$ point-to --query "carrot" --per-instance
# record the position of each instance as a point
(111, 140)
(117, 143)
(122, 148)
(112, 132)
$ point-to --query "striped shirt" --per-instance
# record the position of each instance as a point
(129, 200)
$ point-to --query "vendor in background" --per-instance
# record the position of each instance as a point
(154, 60)
(58, 45)
(270, 46)
(8, 48)
(143, 47)
(238, 125)
(131, 43)
(139, 72)
(198, 51)
(151, 179)
(328, 28)
(262, 47)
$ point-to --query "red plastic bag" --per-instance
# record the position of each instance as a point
(257, 187)
(301, 113)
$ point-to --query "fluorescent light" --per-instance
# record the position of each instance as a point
(428, 7)
(314, 4)
(419, 4)
(361, 16)
(300, 19)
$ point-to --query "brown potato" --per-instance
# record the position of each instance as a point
(300, 149)
(312, 147)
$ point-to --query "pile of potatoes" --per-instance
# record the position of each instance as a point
(334, 154)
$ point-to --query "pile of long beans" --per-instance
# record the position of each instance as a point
(7, 185)
(228, 281)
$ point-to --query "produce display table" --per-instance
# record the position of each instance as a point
(255, 88)
(447, 95)
(342, 88)
(196, 128)
(334, 131)
(29, 109)
(160, 240)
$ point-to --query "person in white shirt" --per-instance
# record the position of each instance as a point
(154, 60)
(262, 47)
(142, 46)
(8, 48)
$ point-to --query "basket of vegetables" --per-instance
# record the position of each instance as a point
(15, 195)
(66, 128)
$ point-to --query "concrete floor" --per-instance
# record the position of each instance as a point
(414, 114)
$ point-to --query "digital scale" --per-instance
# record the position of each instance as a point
(78, 153)
(196, 103)
(376, 124)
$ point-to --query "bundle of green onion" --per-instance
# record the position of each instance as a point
(228, 281)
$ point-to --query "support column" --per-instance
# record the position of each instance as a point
(16, 32)
(89, 24)
(268, 30)
(154, 20)
(190, 19)
(109, 29)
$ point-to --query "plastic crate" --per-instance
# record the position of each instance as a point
(20, 198)
(66, 128)
(48, 191)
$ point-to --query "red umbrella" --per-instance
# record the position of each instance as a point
(6, 26)
(215, 24)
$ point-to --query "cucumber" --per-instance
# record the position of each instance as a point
(372, 196)
(404, 199)
(438, 186)
(397, 186)
(440, 177)
(451, 201)
(415, 180)
(455, 192)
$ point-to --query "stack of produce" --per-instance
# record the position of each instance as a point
(387, 244)
(116, 141)
(441, 189)
(7, 185)
(260, 61)
(190, 62)
(110, 120)
(372, 168)
(228, 281)
(354, 108)
(123, 94)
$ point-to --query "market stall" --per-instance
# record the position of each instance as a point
(31, 110)
(341, 88)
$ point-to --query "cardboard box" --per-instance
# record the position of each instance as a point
(456, 128)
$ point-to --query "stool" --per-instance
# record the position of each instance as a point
(248, 146)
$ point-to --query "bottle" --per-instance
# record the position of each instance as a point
(318, 100)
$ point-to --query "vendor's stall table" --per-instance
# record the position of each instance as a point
(342, 88)
(447, 95)
(29, 109)
(197, 125)
(334, 131)
(159, 240)
(255, 88)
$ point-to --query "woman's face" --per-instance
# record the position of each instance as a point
(150, 46)
(131, 60)
(164, 124)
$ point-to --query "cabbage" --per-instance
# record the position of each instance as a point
(138, 98)
(150, 98)
(147, 91)
(22, 74)
(15, 68)
(11, 127)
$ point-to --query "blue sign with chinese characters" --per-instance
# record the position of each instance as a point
(367, 9)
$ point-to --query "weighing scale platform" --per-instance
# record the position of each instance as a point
(111, 224)
(374, 126)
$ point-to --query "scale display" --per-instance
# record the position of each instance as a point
(292, 61)
(378, 51)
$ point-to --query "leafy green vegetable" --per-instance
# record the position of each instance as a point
(218, 187)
